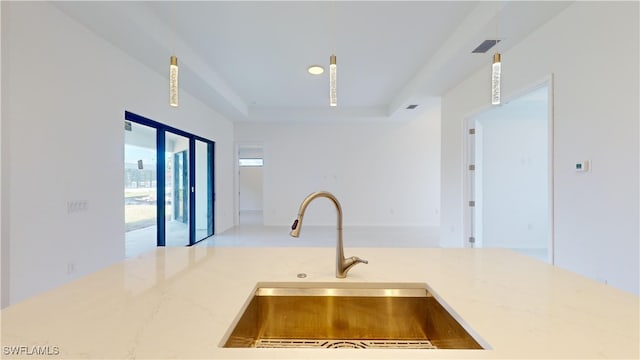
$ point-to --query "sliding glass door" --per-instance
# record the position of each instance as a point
(140, 188)
(179, 203)
(204, 180)
(177, 194)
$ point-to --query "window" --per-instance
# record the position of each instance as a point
(250, 162)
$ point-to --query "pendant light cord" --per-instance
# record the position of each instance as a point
(173, 28)
(497, 24)
(334, 30)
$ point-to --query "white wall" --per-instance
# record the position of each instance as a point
(65, 93)
(384, 174)
(592, 50)
(4, 245)
(251, 192)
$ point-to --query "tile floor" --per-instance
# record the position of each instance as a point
(251, 233)
(142, 240)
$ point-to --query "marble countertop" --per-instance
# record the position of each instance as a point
(180, 302)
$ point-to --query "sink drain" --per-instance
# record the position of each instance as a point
(344, 344)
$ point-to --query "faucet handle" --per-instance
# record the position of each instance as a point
(346, 264)
(357, 260)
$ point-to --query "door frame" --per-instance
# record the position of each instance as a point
(469, 222)
(161, 130)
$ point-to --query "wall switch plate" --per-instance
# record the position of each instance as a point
(583, 166)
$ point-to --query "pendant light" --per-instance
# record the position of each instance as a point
(173, 63)
(333, 97)
(173, 81)
(496, 69)
(333, 86)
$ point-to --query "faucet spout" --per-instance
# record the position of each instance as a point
(343, 265)
(295, 230)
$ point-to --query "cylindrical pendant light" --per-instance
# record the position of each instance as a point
(173, 81)
(496, 69)
(333, 97)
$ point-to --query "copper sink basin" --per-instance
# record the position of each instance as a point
(353, 315)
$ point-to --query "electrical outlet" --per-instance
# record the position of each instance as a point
(74, 206)
(71, 268)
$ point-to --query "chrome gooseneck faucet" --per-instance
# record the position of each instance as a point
(343, 265)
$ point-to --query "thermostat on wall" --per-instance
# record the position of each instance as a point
(582, 166)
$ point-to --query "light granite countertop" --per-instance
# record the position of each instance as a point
(180, 302)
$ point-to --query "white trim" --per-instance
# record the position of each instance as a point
(551, 144)
(470, 123)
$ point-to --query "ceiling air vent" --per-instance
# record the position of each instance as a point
(485, 46)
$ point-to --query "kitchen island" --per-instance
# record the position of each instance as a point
(179, 303)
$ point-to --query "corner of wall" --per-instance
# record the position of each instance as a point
(4, 214)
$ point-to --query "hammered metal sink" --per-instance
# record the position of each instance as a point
(348, 315)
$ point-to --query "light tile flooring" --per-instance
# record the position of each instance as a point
(142, 240)
(321, 236)
(252, 233)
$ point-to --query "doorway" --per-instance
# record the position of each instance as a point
(510, 175)
(177, 207)
(250, 185)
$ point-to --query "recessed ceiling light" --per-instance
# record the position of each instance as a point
(315, 69)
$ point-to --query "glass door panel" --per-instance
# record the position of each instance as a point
(176, 190)
(204, 190)
(140, 188)
(168, 186)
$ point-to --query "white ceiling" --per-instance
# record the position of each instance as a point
(248, 59)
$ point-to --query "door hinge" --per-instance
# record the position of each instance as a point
(472, 167)
(472, 240)
(472, 203)
(472, 131)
